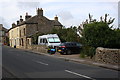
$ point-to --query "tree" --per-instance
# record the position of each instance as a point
(91, 20)
(97, 34)
(35, 37)
(109, 21)
(67, 34)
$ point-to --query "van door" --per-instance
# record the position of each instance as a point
(43, 41)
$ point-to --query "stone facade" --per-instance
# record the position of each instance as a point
(31, 25)
(108, 56)
(3, 36)
(38, 48)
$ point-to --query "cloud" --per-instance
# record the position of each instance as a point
(65, 15)
(70, 12)
(66, 18)
(28, 4)
(119, 12)
(3, 21)
(47, 1)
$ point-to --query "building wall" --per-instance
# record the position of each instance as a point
(31, 29)
(21, 32)
(17, 36)
(14, 37)
(23, 38)
(3, 36)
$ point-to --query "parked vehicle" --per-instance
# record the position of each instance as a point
(49, 40)
(69, 48)
(51, 50)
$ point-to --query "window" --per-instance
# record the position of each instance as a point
(12, 34)
(15, 42)
(27, 41)
(57, 39)
(54, 40)
(44, 40)
(17, 32)
(51, 39)
(24, 31)
(20, 33)
(20, 41)
(41, 40)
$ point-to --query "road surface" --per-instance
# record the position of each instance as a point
(18, 63)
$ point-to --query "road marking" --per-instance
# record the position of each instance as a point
(41, 62)
(79, 75)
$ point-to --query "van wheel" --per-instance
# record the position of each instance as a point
(68, 52)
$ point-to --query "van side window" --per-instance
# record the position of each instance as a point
(44, 40)
(40, 40)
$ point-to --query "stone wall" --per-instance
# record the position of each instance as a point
(107, 56)
(38, 48)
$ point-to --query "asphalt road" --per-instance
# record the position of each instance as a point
(18, 63)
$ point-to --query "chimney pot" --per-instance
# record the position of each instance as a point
(56, 18)
(27, 16)
(21, 20)
(18, 22)
(13, 25)
(40, 12)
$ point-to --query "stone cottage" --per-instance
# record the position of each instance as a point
(19, 34)
(3, 36)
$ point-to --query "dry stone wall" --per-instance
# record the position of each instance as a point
(107, 56)
(38, 48)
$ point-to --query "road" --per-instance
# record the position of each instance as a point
(18, 63)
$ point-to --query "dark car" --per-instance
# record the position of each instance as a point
(69, 48)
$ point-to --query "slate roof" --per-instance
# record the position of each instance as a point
(39, 19)
(2, 28)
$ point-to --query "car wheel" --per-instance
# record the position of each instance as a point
(68, 52)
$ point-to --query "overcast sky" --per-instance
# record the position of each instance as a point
(70, 12)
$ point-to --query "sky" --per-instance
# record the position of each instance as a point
(69, 12)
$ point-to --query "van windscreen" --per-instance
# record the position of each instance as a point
(54, 40)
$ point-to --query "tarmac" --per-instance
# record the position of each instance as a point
(76, 58)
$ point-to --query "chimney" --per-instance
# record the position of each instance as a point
(40, 12)
(27, 16)
(18, 22)
(13, 25)
(56, 18)
(21, 20)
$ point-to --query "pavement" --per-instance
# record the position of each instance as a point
(76, 58)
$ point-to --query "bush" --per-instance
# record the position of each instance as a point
(87, 51)
(35, 37)
(66, 34)
(98, 34)
(82, 55)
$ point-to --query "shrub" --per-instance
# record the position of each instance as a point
(87, 51)
(98, 34)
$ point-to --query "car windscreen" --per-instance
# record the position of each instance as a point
(54, 40)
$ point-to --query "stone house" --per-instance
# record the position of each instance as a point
(3, 36)
(19, 34)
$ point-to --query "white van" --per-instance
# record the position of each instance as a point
(49, 40)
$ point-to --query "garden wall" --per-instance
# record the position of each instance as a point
(107, 56)
(39, 48)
